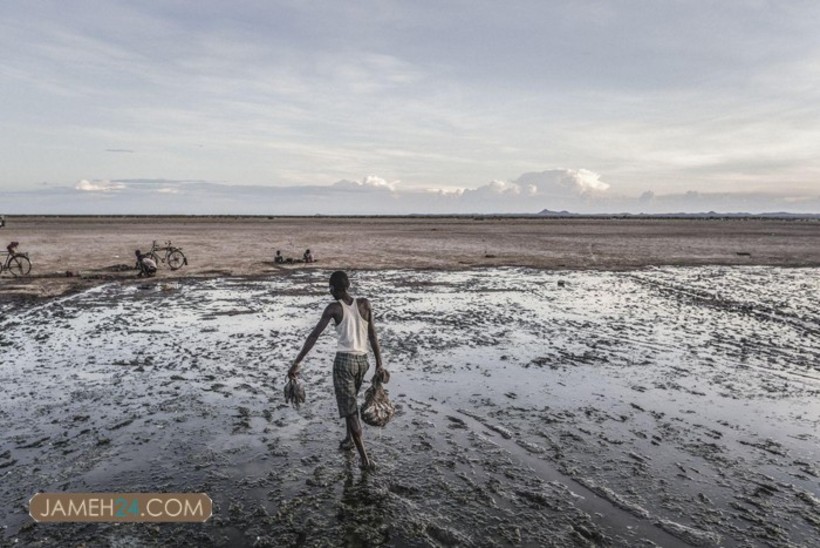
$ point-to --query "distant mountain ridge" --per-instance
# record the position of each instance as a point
(682, 215)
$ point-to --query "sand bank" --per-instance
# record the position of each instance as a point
(95, 249)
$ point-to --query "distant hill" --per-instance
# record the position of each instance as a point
(682, 215)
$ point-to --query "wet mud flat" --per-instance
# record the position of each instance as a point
(667, 406)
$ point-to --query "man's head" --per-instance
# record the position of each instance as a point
(137, 252)
(339, 284)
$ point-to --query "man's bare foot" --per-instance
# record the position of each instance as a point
(346, 444)
(367, 466)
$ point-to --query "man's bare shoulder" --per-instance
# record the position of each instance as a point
(364, 308)
(333, 310)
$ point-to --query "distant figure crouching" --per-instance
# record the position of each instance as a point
(145, 264)
(308, 257)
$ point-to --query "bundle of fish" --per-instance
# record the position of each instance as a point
(294, 393)
(377, 409)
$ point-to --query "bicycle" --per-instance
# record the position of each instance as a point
(174, 257)
(17, 263)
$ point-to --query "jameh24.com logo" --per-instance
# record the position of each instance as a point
(120, 507)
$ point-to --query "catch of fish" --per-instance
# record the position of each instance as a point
(377, 409)
(294, 393)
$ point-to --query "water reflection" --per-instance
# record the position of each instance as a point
(363, 508)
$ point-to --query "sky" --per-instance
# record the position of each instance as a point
(305, 107)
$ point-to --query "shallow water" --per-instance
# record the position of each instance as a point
(671, 405)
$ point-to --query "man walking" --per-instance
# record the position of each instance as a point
(353, 319)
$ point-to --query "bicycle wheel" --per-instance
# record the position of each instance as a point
(176, 259)
(19, 265)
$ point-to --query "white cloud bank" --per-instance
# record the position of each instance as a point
(98, 186)
(371, 182)
(578, 191)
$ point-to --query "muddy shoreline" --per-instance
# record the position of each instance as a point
(559, 382)
(667, 406)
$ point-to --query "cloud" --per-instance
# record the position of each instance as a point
(378, 182)
(574, 190)
(493, 189)
(725, 202)
(98, 186)
(122, 150)
(589, 181)
(371, 182)
(563, 182)
(445, 192)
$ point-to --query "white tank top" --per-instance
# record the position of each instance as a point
(352, 330)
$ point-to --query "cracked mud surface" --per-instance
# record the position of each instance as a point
(674, 406)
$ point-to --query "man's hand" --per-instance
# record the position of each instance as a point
(382, 374)
(293, 371)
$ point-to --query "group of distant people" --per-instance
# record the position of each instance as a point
(307, 257)
(147, 266)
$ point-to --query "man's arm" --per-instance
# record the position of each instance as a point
(372, 337)
(327, 315)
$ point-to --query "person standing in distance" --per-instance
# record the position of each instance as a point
(353, 319)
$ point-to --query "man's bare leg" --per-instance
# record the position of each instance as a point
(355, 431)
(347, 443)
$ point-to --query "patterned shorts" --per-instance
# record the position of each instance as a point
(348, 374)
